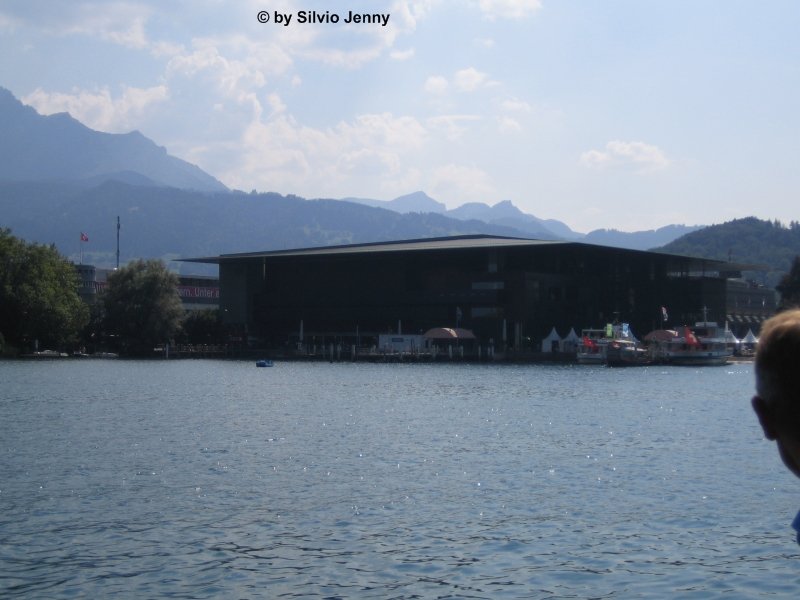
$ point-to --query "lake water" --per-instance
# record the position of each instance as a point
(206, 479)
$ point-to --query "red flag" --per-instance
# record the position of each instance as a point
(84, 237)
(690, 337)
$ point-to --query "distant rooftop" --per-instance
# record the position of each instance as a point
(462, 242)
(442, 243)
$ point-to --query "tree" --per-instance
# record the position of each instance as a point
(789, 287)
(142, 306)
(203, 327)
(39, 299)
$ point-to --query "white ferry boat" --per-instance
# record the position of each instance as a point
(703, 345)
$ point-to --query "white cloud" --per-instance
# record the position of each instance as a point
(345, 59)
(281, 154)
(406, 13)
(9, 23)
(515, 105)
(98, 109)
(508, 125)
(436, 84)
(466, 80)
(385, 130)
(352, 47)
(235, 64)
(509, 9)
(470, 79)
(276, 104)
(121, 23)
(166, 49)
(644, 157)
(453, 126)
(457, 184)
(402, 54)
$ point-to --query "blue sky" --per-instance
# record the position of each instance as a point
(626, 114)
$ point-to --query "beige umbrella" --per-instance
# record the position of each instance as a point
(449, 333)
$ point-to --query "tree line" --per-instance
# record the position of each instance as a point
(749, 240)
(40, 307)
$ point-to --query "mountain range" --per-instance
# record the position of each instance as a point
(34, 147)
(59, 178)
(505, 214)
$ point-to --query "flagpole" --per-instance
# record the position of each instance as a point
(117, 242)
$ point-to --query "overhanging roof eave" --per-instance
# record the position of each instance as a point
(416, 245)
(676, 261)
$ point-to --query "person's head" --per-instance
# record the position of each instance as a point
(777, 400)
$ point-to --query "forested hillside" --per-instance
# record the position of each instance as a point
(748, 240)
(158, 222)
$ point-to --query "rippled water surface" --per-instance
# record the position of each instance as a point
(204, 479)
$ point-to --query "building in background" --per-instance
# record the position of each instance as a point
(509, 291)
(197, 292)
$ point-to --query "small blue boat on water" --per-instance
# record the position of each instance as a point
(264, 362)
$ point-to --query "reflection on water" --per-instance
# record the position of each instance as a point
(197, 479)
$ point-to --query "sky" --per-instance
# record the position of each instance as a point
(624, 114)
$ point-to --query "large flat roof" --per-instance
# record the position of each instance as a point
(443, 243)
(463, 242)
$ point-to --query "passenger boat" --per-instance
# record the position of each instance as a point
(614, 345)
(593, 347)
(626, 353)
(703, 345)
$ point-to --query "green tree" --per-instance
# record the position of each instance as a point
(39, 299)
(789, 287)
(203, 327)
(142, 306)
(93, 337)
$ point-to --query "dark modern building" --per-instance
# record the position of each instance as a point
(508, 291)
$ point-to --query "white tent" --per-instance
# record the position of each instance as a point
(552, 343)
(570, 343)
(750, 338)
(730, 338)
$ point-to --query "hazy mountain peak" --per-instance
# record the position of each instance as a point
(504, 209)
(36, 147)
(417, 201)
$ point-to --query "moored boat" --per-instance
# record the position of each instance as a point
(626, 353)
(703, 345)
(45, 354)
(592, 347)
(613, 345)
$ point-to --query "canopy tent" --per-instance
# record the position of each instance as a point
(552, 343)
(570, 342)
(750, 338)
(449, 333)
(730, 338)
(661, 335)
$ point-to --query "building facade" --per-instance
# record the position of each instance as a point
(510, 292)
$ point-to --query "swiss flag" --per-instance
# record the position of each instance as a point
(690, 337)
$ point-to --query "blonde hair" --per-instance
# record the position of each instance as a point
(777, 363)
